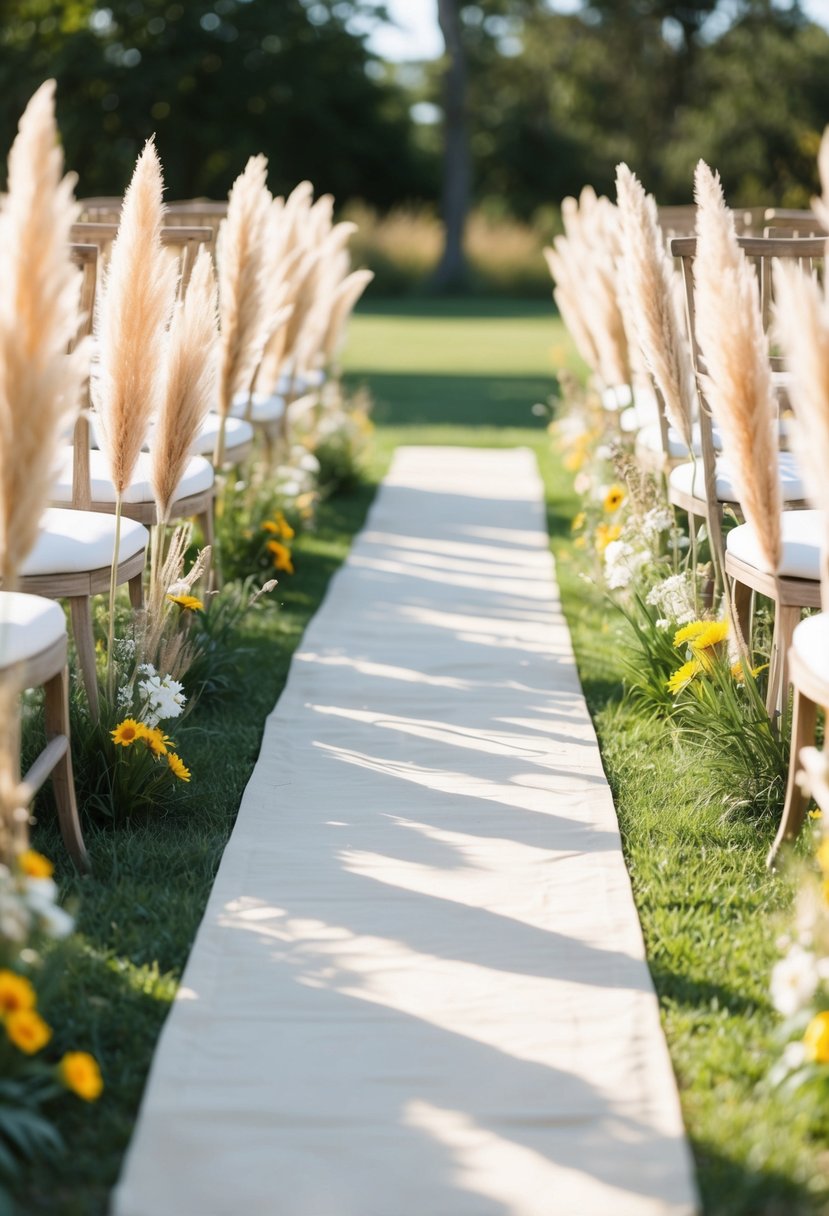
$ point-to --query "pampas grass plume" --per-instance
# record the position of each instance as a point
(189, 382)
(138, 298)
(242, 261)
(650, 279)
(734, 347)
(40, 384)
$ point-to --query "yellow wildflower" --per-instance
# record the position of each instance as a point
(709, 637)
(822, 855)
(739, 675)
(614, 498)
(580, 542)
(578, 522)
(605, 534)
(816, 813)
(279, 526)
(683, 676)
(688, 632)
(156, 740)
(126, 732)
(187, 603)
(816, 1038)
(34, 865)
(79, 1072)
(16, 993)
(178, 767)
(281, 556)
(27, 1030)
(574, 461)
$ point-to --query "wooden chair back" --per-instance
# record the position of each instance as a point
(86, 257)
(781, 221)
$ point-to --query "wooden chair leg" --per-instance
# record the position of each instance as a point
(786, 619)
(80, 608)
(136, 586)
(207, 523)
(741, 604)
(804, 717)
(63, 782)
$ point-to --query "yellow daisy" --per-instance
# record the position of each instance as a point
(688, 632)
(578, 522)
(822, 855)
(156, 740)
(187, 603)
(713, 633)
(683, 676)
(79, 1071)
(285, 529)
(27, 1030)
(178, 767)
(605, 534)
(34, 865)
(281, 556)
(126, 732)
(816, 1038)
(614, 498)
(16, 993)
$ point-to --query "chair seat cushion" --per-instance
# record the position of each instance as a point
(71, 542)
(690, 479)
(238, 433)
(198, 477)
(811, 643)
(314, 377)
(29, 624)
(264, 407)
(802, 533)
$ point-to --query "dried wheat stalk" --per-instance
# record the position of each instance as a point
(734, 346)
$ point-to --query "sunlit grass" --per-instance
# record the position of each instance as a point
(465, 373)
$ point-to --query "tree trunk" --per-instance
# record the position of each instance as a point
(451, 271)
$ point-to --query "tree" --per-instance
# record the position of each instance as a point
(452, 270)
(216, 80)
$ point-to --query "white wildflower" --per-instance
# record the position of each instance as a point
(794, 1055)
(655, 521)
(622, 562)
(794, 981)
(582, 483)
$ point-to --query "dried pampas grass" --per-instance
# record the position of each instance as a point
(189, 382)
(138, 297)
(345, 299)
(801, 317)
(734, 347)
(40, 384)
(242, 261)
(651, 289)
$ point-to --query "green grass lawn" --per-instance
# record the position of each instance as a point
(465, 372)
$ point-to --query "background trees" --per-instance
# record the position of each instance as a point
(551, 100)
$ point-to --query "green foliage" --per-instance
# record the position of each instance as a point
(217, 82)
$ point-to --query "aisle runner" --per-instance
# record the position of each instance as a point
(419, 986)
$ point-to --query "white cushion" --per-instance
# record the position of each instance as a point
(811, 642)
(28, 625)
(71, 542)
(802, 534)
(688, 478)
(649, 439)
(313, 377)
(198, 476)
(617, 398)
(237, 434)
(264, 408)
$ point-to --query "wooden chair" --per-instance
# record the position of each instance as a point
(707, 491)
(84, 482)
(33, 647)
(72, 556)
(809, 671)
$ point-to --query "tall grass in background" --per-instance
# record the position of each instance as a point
(403, 248)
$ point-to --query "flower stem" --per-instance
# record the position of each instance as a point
(113, 584)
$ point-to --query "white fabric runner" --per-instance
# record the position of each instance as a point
(419, 988)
